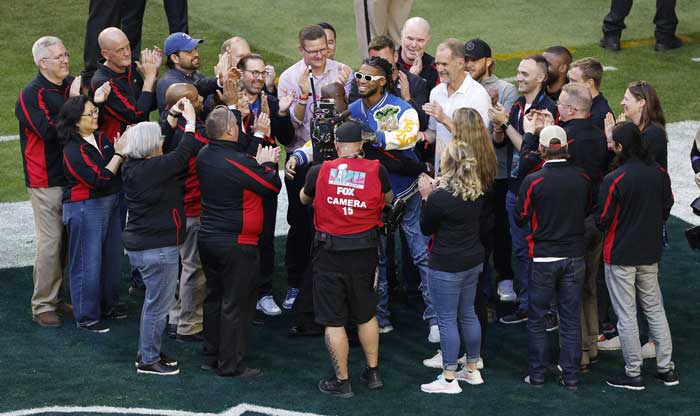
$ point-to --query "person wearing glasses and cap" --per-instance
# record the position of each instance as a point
(554, 201)
(348, 195)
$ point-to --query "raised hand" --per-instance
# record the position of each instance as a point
(75, 86)
(498, 115)
(493, 93)
(405, 86)
(229, 93)
(264, 105)
(267, 154)
(609, 125)
(343, 74)
(102, 93)
(435, 110)
(285, 101)
(270, 76)
(243, 105)
(223, 66)
(426, 185)
(262, 124)
(417, 66)
(119, 143)
(304, 84)
(187, 109)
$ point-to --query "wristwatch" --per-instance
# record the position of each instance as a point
(505, 125)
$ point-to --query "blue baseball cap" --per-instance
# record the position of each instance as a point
(180, 41)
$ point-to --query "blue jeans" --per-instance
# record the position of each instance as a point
(453, 299)
(418, 246)
(520, 248)
(563, 279)
(94, 256)
(159, 269)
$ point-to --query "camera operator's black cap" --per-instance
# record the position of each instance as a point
(477, 49)
(351, 132)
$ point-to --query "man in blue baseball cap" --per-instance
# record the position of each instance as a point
(182, 59)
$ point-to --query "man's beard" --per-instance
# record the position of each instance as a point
(370, 92)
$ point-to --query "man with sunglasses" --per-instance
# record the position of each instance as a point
(37, 107)
(294, 82)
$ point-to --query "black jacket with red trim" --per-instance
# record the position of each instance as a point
(38, 105)
(555, 202)
(233, 186)
(126, 103)
(657, 141)
(154, 195)
(173, 138)
(635, 201)
(429, 71)
(85, 169)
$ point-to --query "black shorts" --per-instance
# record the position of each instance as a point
(344, 286)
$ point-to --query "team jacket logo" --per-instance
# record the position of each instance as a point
(343, 177)
(387, 118)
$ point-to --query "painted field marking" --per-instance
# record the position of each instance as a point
(234, 411)
(8, 138)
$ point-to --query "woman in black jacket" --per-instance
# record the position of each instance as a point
(90, 213)
(155, 191)
(451, 214)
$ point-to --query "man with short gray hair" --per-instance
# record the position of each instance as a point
(42, 158)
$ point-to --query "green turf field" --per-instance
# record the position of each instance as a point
(68, 367)
(510, 26)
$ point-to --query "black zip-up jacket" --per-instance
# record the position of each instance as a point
(588, 149)
(281, 128)
(657, 140)
(154, 189)
(454, 226)
(38, 105)
(635, 201)
(599, 109)
(126, 103)
(85, 169)
(233, 186)
(428, 73)
(517, 113)
(555, 201)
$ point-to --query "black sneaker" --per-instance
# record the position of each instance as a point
(372, 378)
(116, 311)
(514, 318)
(198, 337)
(551, 322)
(626, 382)
(158, 368)
(668, 378)
(568, 386)
(672, 42)
(171, 330)
(533, 382)
(246, 373)
(336, 387)
(610, 41)
(97, 327)
(169, 361)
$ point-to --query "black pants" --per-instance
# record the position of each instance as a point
(267, 247)
(665, 18)
(128, 15)
(229, 305)
(297, 253)
(502, 249)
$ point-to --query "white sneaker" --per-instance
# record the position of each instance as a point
(611, 344)
(434, 335)
(505, 291)
(291, 297)
(386, 329)
(471, 377)
(440, 385)
(267, 305)
(649, 350)
(436, 361)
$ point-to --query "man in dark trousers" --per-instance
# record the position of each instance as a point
(635, 201)
(554, 201)
(233, 185)
(665, 20)
(348, 195)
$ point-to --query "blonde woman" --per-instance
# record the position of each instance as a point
(452, 205)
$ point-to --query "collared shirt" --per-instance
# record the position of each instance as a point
(470, 94)
(289, 81)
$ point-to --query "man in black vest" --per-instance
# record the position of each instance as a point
(348, 194)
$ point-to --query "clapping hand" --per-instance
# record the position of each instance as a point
(267, 154)
(102, 93)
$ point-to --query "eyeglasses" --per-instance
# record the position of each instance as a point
(316, 52)
(566, 105)
(64, 57)
(92, 114)
(367, 77)
(256, 74)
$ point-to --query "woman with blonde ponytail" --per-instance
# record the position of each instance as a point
(452, 205)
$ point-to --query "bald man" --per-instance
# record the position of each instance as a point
(379, 17)
(415, 38)
(131, 98)
(186, 316)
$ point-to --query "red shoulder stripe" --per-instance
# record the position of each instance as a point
(253, 175)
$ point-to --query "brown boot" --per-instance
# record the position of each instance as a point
(64, 308)
(47, 319)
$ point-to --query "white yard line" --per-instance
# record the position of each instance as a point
(17, 246)
(234, 411)
(8, 138)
